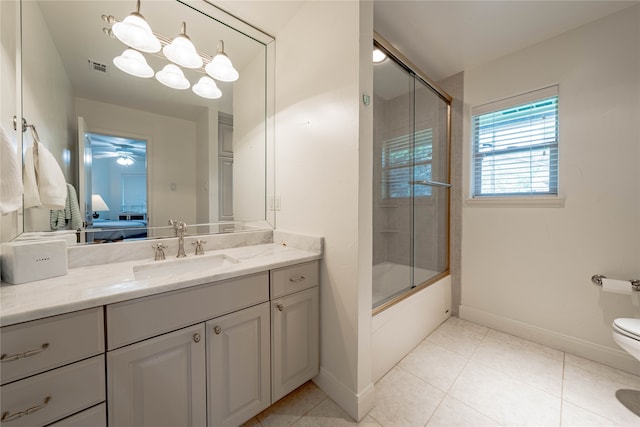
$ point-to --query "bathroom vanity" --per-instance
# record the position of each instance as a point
(208, 346)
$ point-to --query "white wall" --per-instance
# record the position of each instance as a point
(527, 270)
(323, 176)
(171, 155)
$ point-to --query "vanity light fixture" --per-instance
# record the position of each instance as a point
(133, 62)
(207, 88)
(220, 67)
(378, 56)
(171, 75)
(136, 33)
(182, 51)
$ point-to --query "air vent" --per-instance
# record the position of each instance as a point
(97, 66)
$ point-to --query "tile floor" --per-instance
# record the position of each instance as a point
(467, 375)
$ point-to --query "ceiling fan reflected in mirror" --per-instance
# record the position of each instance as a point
(126, 153)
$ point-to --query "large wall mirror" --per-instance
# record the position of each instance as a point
(139, 152)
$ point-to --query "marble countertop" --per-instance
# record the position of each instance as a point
(97, 285)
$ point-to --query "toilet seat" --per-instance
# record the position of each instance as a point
(627, 327)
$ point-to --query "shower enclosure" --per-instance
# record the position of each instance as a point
(411, 180)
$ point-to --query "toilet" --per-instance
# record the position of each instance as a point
(626, 333)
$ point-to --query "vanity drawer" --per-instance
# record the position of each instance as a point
(293, 279)
(57, 393)
(92, 417)
(33, 347)
(138, 319)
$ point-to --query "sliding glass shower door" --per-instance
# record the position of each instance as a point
(411, 175)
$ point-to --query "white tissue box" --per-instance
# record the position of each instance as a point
(30, 260)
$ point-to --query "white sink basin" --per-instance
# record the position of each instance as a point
(180, 266)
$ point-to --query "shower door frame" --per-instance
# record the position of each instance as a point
(395, 55)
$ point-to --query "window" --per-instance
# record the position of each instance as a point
(406, 159)
(515, 145)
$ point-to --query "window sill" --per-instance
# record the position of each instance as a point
(516, 202)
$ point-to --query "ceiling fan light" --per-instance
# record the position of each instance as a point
(220, 67)
(133, 62)
(207, 88)
(125, 161)
(182, 51)
(136, 33)
(172, 76)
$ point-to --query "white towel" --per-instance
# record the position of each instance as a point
(44, 182)
(11, 180)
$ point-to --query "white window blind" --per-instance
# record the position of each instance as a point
(515, 145)
(404, 159)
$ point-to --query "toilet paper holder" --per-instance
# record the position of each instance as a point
(596, 279)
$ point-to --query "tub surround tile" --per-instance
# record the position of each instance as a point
(454, 413)
(403, 399)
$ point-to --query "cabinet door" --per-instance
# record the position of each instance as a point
(238, 366)
(295, 340)
(159, 382)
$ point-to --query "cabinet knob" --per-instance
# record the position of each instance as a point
(280, 307)
(196, 337)
(217, 330)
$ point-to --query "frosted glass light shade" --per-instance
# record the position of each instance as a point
(171, 75)
(133, 62)
(207, 88)
(220, 67)
(136, 33)
(182, 51)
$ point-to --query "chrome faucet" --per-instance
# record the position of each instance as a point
(174, 224)
(180, 230)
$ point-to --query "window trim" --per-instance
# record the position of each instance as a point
(516, 198)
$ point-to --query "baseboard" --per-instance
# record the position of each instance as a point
(357, 405)
(609, 356)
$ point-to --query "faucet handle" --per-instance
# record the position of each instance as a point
(159, 254)
(199, 248)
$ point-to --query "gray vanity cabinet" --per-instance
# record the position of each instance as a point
(52, 368)
(294, 327)
(238, 376)
(159, 381)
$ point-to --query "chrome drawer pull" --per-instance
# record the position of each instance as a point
(29, 353)
(298, 279)
(7, 416)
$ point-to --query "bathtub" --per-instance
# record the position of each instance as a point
(399, 329)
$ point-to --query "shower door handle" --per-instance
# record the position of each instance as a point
(431, 183)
